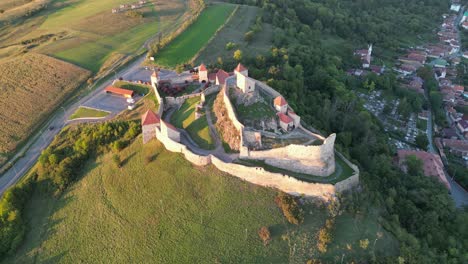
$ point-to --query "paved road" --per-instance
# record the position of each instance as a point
(58, 121)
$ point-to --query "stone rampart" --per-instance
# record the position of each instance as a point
(316, 160)
(267, 89)
(232, 115)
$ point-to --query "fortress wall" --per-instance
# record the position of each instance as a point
(317, 169)
(347, 184)
(160, 100)
(267, 89)
(323, 152)
(311, 133)
(232, 115)
(259, 176)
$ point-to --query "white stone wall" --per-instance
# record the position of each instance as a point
(267, 89)
(169, 132)
(259, 176)
(148, 132)
(245, 83)
(203, 76)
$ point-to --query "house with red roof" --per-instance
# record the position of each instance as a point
(432, 164)
(149, 122)
(286, 122)
(280, 104)
(221, 77)
(119, 91)
(202, 73)
(458, 89)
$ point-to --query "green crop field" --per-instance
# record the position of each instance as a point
(233, 32)
(85, 112)
(187, 44)
(198, 129)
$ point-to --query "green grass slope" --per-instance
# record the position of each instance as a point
(198, 129)
(187, 44)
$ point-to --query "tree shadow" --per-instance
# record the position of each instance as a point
(125, 161)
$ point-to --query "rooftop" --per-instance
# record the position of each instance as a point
(119, 91)
(280, 101)
(222, 76)
(150, 118)
(284, 118)
(202, 67)
(240, 68)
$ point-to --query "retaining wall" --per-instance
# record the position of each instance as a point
(267, 89)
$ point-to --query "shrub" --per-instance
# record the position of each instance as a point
(248, 37)
(134, 14)
(290, 208)
(230, 45)
(116, 160)
(264, 235)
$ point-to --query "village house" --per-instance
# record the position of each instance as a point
(406, 69)
(221, 77)
(459, 89)
(280, 104)
(149, 122)
(462, 126)
(457, 147)
(365, 55)
(286, 122)
(377, 69)
(450, 133)
(135, 6)
(416, 84)
(424, 115)
(244, 82)
(119, 91)
(202, 73)
(465, 54)
(115, 10)
(296, 119)
(432, 164)
(465, 25)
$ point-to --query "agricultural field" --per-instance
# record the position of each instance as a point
(186, 45)
(233, 32)
(85, 112)
(197, 129)
(87, 34)
(157, 207)
(32, 86)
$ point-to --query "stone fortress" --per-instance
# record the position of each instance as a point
(316, 160)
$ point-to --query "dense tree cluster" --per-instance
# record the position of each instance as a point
(415, 208)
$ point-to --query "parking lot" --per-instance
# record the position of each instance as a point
(109, 102)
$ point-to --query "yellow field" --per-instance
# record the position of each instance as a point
(32, 86)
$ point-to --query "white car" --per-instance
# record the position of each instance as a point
(130, 100)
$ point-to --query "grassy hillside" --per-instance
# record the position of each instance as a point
(157, 207)
(186, 45)
(32, 85)
(233, 32)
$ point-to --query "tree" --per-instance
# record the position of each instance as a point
(237, 55)
(179, 68)
(264, 235)
(230, 45)
(364, 243)
(90, 81)
(414, 165)
(421, 141)
(116, 160)
(248, 37)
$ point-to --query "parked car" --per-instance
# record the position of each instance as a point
(130, 100)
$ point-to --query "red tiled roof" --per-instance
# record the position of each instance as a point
(284, 118)
(432, 164)
(240, 68)
(279, 101)
(212, 76)
(459, 88)
(121, 91)
(202, 67)
(150, 118)
(222, 76)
